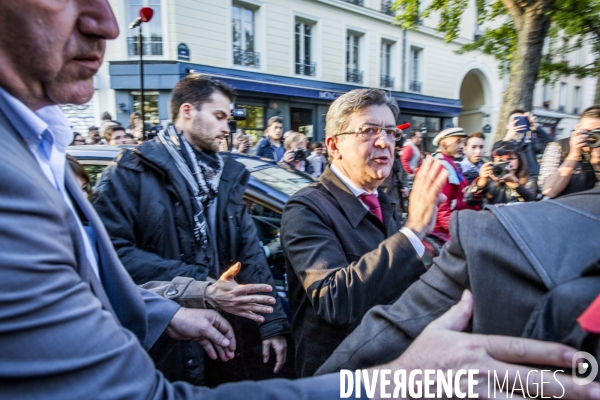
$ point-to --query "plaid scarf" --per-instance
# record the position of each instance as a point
(202, 179)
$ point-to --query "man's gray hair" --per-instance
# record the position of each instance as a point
(344, 106)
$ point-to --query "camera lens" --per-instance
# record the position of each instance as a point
(499, 169)
(593, 139)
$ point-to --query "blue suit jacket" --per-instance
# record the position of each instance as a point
(65, 335)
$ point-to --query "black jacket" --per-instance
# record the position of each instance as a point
(340, 261)
(145, 204)
(499, 193)
(533, 269)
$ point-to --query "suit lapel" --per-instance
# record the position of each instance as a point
(390, 216)
(85, 270)
(354, 209)
(349, 204)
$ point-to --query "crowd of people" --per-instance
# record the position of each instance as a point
(112, 132)
(159, 287)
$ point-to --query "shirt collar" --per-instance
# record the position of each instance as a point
(467, 164)
(32, 125)
(353, 187)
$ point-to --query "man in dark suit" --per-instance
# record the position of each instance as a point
(532, 268)
(345, 248)
(74, 326)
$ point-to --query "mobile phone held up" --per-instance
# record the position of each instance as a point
(523, 121)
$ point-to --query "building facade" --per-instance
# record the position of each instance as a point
(292, 58)
(558, 105)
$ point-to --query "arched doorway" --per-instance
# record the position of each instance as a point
(472, 96)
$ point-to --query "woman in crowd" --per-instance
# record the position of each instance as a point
(296, 146)
(78, 140)
(81, 175)
(505, 180)
(136, 127)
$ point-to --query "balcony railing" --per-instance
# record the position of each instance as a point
(415, 86)
(354, 75)
(357, 2)
(246, 58)
(304, 68)
(386, 7)
(386, 81)
(152, 46)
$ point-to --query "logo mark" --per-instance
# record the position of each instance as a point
(580, 368)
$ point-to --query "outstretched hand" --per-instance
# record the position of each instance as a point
(227, 295)
(443, 346)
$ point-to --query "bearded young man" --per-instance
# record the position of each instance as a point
(173, 207)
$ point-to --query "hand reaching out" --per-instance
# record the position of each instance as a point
(227, 295)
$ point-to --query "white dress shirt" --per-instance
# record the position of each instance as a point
(47, 132)
(357, 191)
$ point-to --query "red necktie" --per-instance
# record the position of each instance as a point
(372, 202)
(590, 319)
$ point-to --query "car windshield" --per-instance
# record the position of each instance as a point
(278, 178)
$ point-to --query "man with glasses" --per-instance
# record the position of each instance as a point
(343, 242)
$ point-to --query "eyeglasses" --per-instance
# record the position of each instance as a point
(370, 132)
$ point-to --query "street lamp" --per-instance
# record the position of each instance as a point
(145, 15)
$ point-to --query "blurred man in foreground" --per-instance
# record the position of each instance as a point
(73, 325)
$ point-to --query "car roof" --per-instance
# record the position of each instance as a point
(268, 179)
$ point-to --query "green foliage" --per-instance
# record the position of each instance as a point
(499, 43)
(575, 22)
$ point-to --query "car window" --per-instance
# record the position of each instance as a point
(268, 224)
(94, 172)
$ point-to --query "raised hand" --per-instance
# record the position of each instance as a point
(227, 295)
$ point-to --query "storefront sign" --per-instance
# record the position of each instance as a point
(183, 52)
(329, 95)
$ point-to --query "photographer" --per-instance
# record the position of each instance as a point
(295, 153)
(573, 165)
(506, 180)
(524, 132)
(241, 143)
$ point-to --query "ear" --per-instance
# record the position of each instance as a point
(332, 147)
(185, 111)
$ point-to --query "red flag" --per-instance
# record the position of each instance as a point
(590, 319)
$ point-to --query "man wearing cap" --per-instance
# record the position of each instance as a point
(345, 248)
(451, 143)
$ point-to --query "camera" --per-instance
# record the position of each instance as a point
(237, 114)
(499, 169)
(299, 154)
(593, 139)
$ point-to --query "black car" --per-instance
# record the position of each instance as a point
(269, 188)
